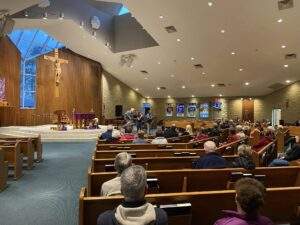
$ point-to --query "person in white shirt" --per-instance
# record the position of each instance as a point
(113, 186)
(239, 132)
(160, 139)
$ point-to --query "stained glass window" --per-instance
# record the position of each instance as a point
(31, 43)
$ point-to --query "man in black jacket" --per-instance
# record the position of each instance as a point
(134, 210)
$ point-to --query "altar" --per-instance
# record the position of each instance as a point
(82, 120)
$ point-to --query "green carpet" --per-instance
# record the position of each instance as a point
(48, 194)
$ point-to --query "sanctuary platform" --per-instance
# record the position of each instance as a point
(49, 135)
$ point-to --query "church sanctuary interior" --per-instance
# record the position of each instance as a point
(149, 112)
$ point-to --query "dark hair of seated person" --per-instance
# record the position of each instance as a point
(250, 195)
(159, 133)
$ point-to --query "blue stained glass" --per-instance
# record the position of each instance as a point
(29, 100)
(30, 67)
(123, 11)
(31, 43)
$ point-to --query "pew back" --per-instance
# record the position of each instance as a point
(201, 180)
(206, 206)
(154, 163)
(3, 171)
(144, 146)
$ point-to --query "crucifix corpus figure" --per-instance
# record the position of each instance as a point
(57, 61)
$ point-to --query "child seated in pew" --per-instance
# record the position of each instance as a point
(134, 209)
(113, 187)
(211, 159)
(245, 159)
(249, 200)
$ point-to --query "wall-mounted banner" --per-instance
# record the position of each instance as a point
(169, 110)
(192, 110)
(2, 89)
(204, 110)
(180, 108)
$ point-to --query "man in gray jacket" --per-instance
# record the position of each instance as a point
(134, 210)
(113, 186)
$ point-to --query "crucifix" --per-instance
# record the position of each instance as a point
(57, 68)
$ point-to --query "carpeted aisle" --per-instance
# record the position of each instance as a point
(48, 194)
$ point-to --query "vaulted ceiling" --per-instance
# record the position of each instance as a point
(236, 42)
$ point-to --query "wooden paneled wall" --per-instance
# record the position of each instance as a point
(80, 87)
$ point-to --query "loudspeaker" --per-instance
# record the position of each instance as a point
(7, 25)
(119, 111)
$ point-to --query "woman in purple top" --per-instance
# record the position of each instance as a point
(249, 200)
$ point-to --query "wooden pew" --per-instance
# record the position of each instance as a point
(281, 204)
(26, 146)
(154, 163)
(14, 157)
(3, 171)
(144, 146)
(36, 144)
(254, 137)
(257, 156)
(181, 139)
(280, 139)
(189, 180)
(226, 149)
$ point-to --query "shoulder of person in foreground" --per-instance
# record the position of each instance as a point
(106, 218)
(161, 217)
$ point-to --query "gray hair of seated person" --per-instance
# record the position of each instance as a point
(122, 162)
(210, 146)
(244, 150)
(134, 183)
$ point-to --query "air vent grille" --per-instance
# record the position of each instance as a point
(221, 85)
(285, 4)
(276, 86)
(198, 66)
(171, 29)
(291, 56)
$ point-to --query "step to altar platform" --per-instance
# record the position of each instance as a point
(50, 135)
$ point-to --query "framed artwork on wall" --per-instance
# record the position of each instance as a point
(204, 110)
(180, 109)
(192, 110)
(169, 110)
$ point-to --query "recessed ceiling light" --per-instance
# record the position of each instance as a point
(183, 87)
(250, 99)
(247, 83)
(161, 17)
(210, 4)
(192, 58)
(193, 96)
(169, 96)
(287, 81)
(178, 40)
(212, 85)
(26, 14)
(232, 53)
(203, 73)
(283, 46)
(146, 78)
(158, 63)
(220, 95)
(241, 69)
(242, 99)
(131, 66)
(158, 88)
(172, 75)
(280, 20)
(148, 97)
(45, 15)
(223, 31)
(286, 65)
(137, 89)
